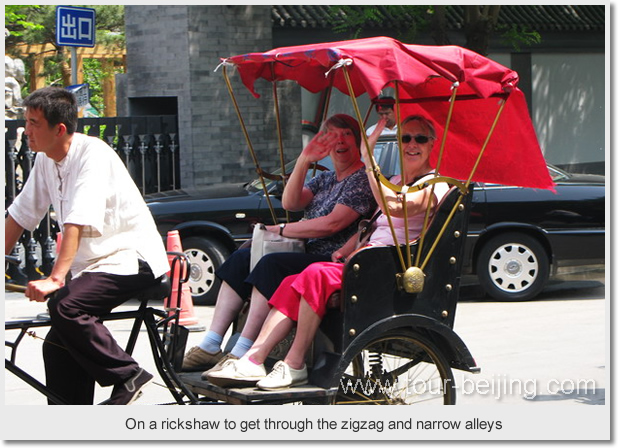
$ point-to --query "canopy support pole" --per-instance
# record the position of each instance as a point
(279, 138)
(442, 146)
(250, 145)
(491, 131)
(374, 168)
(448, 220)
(364, 123)
(329, 92)
(404, 180)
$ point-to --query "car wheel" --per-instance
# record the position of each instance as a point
(205, 256)
(513, 267)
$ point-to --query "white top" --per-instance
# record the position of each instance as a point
(386, 131)
(91, 187)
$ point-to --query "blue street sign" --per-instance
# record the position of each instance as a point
(75, 26)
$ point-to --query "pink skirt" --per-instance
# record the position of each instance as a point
(315, 284)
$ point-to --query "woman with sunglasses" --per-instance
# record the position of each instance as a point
(302, 298)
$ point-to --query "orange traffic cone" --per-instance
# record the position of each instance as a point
(187, 316)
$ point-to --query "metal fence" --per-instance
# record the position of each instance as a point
(147, 145)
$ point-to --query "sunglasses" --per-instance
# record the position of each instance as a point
(407, 138)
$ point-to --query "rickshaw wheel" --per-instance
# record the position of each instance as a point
(395, 369)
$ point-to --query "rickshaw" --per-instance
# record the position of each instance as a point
(390, 339)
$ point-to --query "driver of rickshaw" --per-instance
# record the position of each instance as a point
(301, 299)
(334, 202)
(110, 248)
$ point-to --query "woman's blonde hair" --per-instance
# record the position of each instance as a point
(424, 121)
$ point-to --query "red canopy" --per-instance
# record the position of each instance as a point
(425, 76)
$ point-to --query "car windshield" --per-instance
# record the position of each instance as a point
(385, 153)
(256, 184)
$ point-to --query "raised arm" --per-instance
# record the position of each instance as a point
(416, 202)
(296, 196)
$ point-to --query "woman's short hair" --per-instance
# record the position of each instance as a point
(424, 121)
(57, 104)
(343, 121)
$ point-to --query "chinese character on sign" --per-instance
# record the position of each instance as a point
(75, 27)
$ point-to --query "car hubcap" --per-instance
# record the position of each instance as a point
(202, 275)
(513, 268)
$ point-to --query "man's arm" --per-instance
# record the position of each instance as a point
(12, 233)
(37, 290)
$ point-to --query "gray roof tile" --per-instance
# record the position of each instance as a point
(538, 17)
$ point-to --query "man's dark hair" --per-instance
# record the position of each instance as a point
(385, 102)
(57, 104)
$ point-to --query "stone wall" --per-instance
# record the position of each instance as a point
(172, 51)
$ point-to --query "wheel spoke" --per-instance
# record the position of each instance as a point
(397, 370)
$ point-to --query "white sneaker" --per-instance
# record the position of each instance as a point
(283, 376)
(237, 373)
(219, 365)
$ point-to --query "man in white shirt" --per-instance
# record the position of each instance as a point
(110, 246)
(384, 108)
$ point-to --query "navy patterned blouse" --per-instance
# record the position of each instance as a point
(353, 191)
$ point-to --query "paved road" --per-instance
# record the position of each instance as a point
(549, 350)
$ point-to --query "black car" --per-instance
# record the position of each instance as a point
(517, 237)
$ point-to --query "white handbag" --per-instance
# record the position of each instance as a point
(265, 242)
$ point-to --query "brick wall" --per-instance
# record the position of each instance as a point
(173, 51)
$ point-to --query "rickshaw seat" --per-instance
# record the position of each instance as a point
(370, 289)
(334, 301)
(158, 291)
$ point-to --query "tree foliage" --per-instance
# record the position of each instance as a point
(15, 20)
(36, 24)
(411, 19)
(480, 24)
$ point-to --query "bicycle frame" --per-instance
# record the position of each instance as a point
(166, 337)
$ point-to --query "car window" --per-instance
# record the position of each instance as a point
(387, 156)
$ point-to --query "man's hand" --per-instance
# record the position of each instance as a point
(38, 290)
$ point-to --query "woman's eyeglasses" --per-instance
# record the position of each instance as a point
(407, 138)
